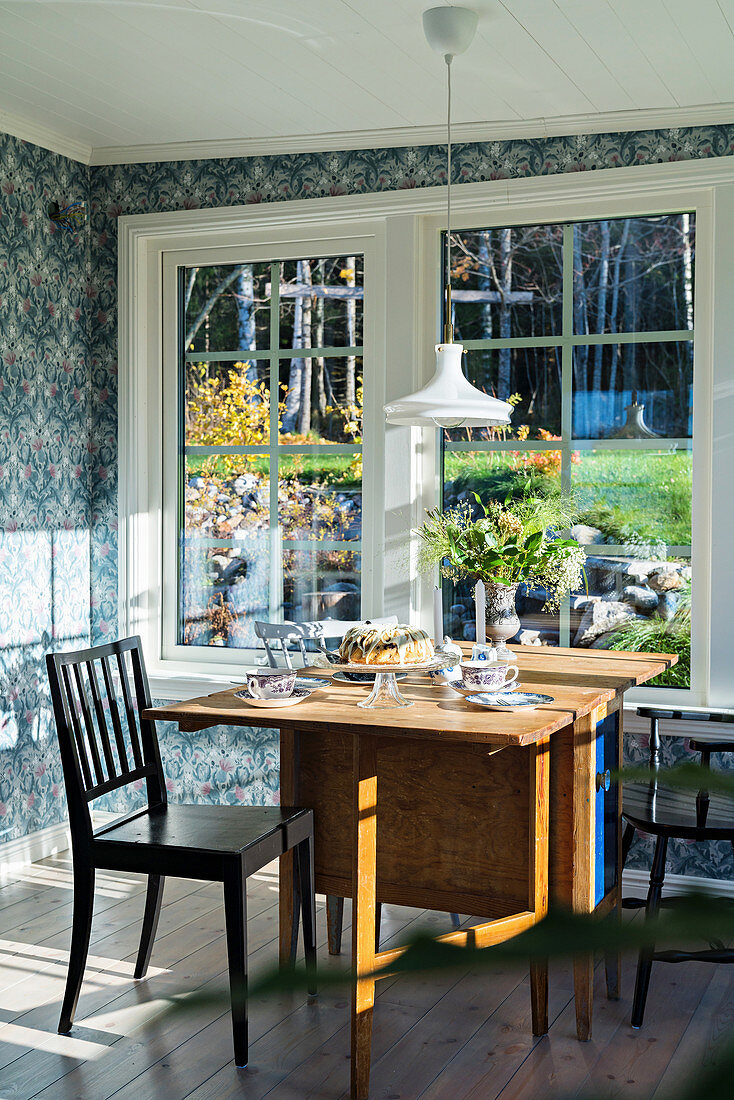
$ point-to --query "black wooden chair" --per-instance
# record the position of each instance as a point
(217, 843)
(666, 813)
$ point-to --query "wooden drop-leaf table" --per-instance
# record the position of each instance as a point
(479, 812)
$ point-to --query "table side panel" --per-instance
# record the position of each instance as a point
(451, 822)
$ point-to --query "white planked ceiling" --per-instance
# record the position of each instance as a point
(117, 79)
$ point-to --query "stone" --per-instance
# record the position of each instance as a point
(667, 606)
(586, 536)
(642, 599)
(470, 632)
(665, 582)
(528, 637)
(601, 618)
(686, 572)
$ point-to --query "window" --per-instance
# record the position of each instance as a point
(587, 329)
(269, 462)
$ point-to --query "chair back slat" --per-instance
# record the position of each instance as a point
(129, 710)
(93, 763)
(101, 720)
(88, 725)
(114, 713)
(68, 701)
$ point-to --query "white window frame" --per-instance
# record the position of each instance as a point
(370, 542)
(401, 233)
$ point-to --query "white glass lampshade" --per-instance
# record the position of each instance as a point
(449, 400)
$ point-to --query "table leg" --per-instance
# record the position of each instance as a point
(538, 899)
(584, 794)
(364, 898)
(288, 909)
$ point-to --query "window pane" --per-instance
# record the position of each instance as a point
(226, 308)
(638, 603)
(530, 378)
(321, 302)
(460, 615)
(227, 404)
(226, 496)
(321, 584)
(321, 400)
(494, 474)
(507, 282)
(224, 590)
(634, 274)
(632, 390)
(640, 498)
(320, 497)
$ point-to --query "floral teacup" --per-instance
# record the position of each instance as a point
(271, 683)
(487, 676)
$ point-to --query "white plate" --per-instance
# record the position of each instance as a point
(298, 696)
(509, 700)
(457, 685)
(369, 678)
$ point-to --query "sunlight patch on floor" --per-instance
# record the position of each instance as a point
(50, 1042)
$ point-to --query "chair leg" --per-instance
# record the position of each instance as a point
(644, 964)
(235, 916)
(153, 900)
(308, 909)
(80, 931)
(627, 837)
(334, 922)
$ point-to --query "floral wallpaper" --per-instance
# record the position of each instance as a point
(58, 419)
(45, 468)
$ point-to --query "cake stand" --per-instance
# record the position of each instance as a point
(385, 692)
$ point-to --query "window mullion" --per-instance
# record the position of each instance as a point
(275, 586)
(564, 625)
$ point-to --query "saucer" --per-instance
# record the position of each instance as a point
(298, 696)
(509, 700)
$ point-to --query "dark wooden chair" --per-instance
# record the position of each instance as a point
(666, 813)
(105, 746)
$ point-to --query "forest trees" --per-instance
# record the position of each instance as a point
(229, 310)
(628, 275)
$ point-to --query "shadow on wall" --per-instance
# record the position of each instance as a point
(44, 586)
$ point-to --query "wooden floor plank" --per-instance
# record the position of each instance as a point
(444, 1037)
(697, 1050)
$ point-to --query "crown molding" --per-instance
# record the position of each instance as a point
(612, 122)
(36, 134)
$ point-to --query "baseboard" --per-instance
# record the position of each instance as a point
(17, 854)
(635, 883)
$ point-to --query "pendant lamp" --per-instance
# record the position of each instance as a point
(449, 400)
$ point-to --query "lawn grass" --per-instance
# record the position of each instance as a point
(621, 492)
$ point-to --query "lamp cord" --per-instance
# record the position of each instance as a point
(448, 333)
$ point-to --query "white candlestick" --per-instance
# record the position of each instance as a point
(480, 600)
(437, 617)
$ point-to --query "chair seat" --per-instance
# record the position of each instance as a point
(674, 812)
(221, 830)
